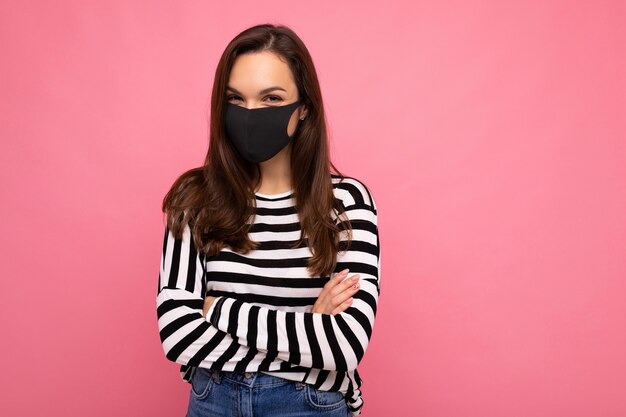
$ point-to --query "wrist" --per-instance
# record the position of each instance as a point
(208, 302)
(213, 305)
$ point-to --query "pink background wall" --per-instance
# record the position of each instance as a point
(495, 148)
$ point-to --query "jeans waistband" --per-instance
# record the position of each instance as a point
(248, 378)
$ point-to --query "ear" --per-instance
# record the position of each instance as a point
(304, 112)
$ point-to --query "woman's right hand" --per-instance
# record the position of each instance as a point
(337, 294)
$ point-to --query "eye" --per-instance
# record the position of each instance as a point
(276, 97)
(271, 99)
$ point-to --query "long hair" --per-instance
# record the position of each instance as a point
(217, 199)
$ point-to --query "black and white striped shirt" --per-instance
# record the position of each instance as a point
(262, 319)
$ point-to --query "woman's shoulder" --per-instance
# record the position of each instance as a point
(352, 191)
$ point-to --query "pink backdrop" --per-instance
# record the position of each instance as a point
(495, 148)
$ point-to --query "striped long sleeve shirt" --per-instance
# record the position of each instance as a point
(262, 318)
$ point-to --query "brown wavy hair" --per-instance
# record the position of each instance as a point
(217, 199)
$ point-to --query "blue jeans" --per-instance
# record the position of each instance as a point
(255, 394)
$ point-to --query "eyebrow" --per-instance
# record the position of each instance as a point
(265, 90)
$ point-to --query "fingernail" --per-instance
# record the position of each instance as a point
(345, 271)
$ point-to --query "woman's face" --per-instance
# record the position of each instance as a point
(261, 79)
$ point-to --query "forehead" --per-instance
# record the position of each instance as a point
(252, 72)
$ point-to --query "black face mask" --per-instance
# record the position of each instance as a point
(259, 134)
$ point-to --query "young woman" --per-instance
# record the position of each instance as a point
(269, 276)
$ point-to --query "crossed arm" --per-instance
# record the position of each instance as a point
(233, 330)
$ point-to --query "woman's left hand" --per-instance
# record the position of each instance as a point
(207, 304)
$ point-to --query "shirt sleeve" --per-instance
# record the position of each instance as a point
(186, 337)
(325, 341)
